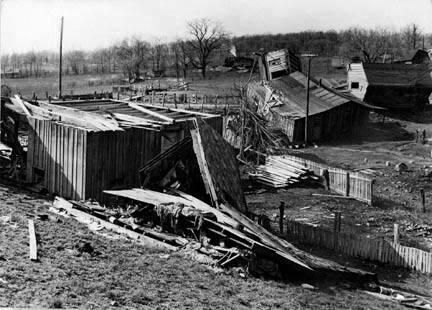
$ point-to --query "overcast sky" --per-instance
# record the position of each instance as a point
(34, 24)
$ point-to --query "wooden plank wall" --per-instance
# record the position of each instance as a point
(332, 124)
(114, 158)
(59, 151)
(358, 246)
(356, 74)
(349, 183)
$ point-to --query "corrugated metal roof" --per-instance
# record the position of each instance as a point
(398, 74)
(292, 93)
(294, 96)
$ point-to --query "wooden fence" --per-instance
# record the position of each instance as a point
(349, 183)
(348, 244)
(190, 100)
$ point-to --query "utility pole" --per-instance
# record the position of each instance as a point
(61, 58)
(1, 132)
(0, 71)
(309, 56)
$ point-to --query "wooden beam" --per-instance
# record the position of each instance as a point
(32, 238)
(21, 104)
(152, 113)
(84, 217)
(282, 247)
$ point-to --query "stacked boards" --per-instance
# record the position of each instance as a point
(279, 172)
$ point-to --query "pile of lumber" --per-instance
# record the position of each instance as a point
(279, 172)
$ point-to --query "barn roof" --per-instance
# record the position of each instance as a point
(293, 90)
(104, 115)
(404, 75)
(146, 112)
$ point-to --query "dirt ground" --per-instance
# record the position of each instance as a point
(118, 273)
(379, 147)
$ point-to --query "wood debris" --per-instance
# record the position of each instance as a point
(279, 172)
(32, 240)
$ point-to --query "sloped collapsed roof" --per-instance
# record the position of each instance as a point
(292, 93)
(405, 75)
(105, 115)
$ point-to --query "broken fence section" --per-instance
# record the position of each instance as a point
(357, 246)
(349, 183)
(185, 100)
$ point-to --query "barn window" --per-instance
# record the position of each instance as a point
(275, 62)
(355, 85)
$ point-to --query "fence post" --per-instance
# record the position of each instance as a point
(336, 229)
(347, 189)
(203, 102)
(175, 101)
(380, 249)
(152, 97)
(281, 216)
(396, 233)
(163, 99)
(325, 174)
(423, 200)
(216, 101)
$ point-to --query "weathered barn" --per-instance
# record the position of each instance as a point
(331, 114)
(79, 149)
(278, 63)
(393, 86)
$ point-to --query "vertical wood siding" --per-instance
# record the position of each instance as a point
(60, 152)
(114, 157)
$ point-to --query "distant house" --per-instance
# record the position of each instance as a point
(11, 74)
(419, 56)
(278, 63)
(239, 62)
(393, 86)
(332, 114)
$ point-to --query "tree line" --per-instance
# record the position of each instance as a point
(207, 44)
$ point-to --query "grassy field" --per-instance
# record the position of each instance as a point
(78, 84)
(120, 273)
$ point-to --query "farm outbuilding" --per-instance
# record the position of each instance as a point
(331, 113)
(278, 63)
(392, 86)
(81, 148)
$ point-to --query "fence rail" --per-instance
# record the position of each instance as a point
(358, 246)
(192, 100)
(349, 183)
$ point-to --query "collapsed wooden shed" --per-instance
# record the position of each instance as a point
(278, 63)
(97, 145)
(332, 114)
(393, 86)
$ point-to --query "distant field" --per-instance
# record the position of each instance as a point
(79, 84)
(215, 83)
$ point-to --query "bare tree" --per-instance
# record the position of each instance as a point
(159, 53)
(412, 36)
(207, 36)
(75, 60)
(370, 44)
(179, 48)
